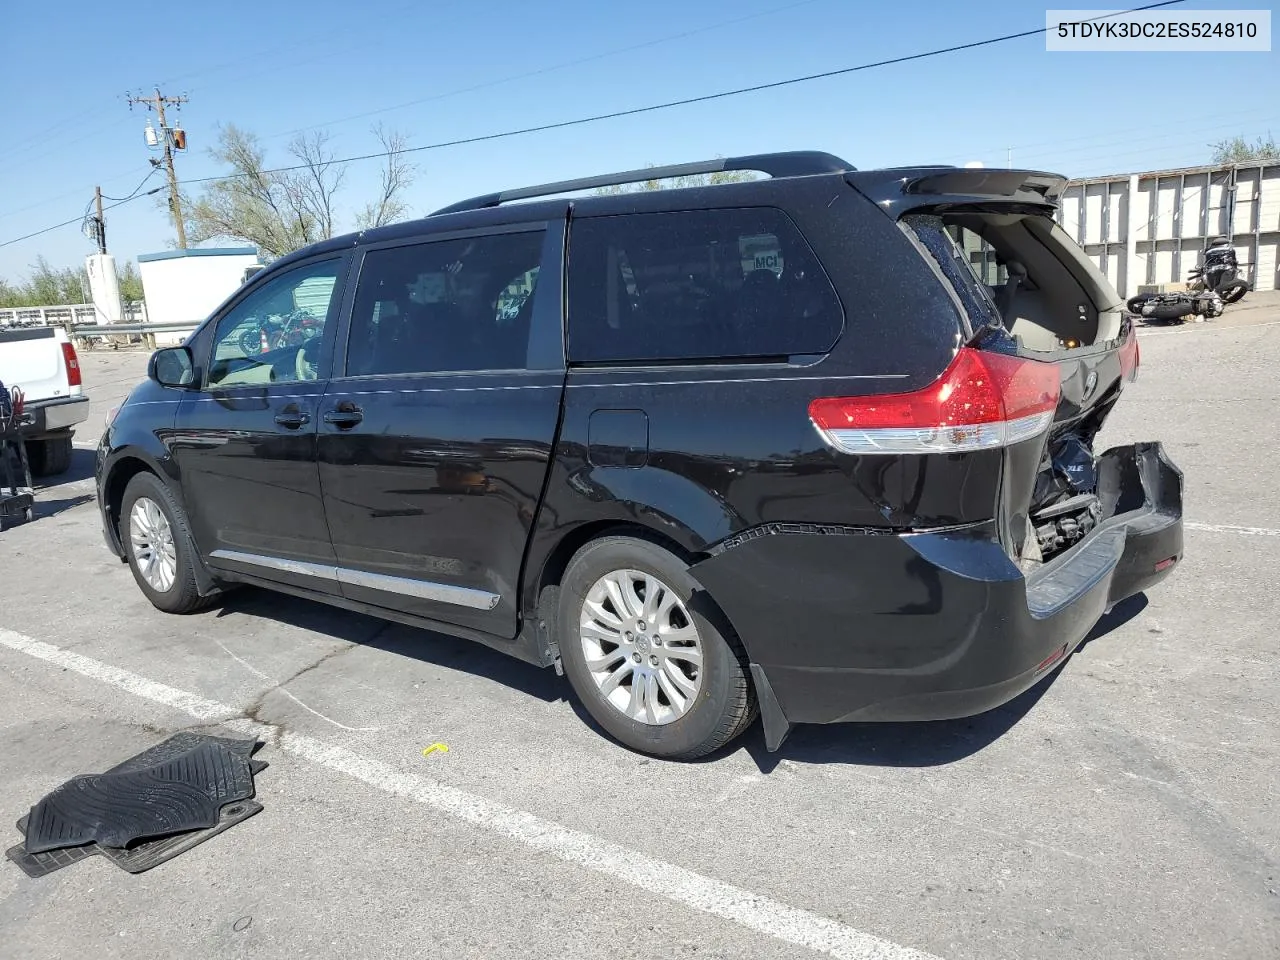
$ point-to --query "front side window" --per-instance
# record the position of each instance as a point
(691, 286)
(452, 305)
(274, 334)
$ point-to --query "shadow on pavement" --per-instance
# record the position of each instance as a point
(1120, 614)
(45, 507)
(923, 744)
(81, 469)
(412, 642)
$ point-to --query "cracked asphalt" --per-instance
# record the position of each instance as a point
(1124, 808)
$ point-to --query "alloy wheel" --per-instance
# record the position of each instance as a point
(641, 646)
(151, 538)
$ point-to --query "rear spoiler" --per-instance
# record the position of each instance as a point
(902, 190)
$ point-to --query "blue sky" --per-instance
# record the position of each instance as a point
(273, 68)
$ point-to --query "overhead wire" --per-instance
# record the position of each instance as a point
(686, 101)
(654, 107)
(1090, 140)
(70, 193)
(541, 71)
(151, 173)
(66, 223)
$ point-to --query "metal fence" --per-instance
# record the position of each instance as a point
(1147, 229)
(81, 321)
(66, 315)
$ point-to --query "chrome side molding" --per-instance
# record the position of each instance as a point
(405, 586)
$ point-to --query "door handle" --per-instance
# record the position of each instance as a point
(344, 416)
(293, 417)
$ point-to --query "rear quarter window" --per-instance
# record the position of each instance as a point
(697, 286)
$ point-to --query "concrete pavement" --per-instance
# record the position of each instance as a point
(1123, 808)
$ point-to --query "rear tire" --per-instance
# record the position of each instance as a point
(696, 692)
(50, 457)
(158, 544)
(1233, 291)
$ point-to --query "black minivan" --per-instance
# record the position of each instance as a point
(817, 445)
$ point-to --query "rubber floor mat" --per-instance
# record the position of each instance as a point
(137, 858)
(182, 791)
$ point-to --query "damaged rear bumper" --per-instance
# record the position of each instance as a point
(846, 626)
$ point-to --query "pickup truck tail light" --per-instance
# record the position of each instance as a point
(73, 365)
(982, 400)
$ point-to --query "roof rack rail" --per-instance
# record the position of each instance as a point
(797, 163)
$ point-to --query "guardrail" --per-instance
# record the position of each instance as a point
(111, 329)
(88, 332)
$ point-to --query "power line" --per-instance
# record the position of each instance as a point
(1090, 140)
(80, 219)
(151, 173)
(687, 101)
(79, 191)
(550, 69)
(650, 108)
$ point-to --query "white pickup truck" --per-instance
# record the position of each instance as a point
(42, 363)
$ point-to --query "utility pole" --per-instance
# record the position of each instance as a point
(100, 222)
(170, 138)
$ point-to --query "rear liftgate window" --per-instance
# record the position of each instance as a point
(1022, 272)
(699, 286)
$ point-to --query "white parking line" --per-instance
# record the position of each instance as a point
(705, 894)
(1228, 528)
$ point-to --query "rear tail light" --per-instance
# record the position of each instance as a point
(982, 400)
(73, 364)
(1129, 358)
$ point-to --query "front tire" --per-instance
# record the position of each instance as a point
(643, 654)
(1233, 291)
(159, 547)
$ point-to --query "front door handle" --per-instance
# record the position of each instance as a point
(293, 417)
(344, 416)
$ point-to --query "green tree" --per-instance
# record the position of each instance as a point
(52, 286)
(47, 286)
(283, 210)
(130, 283)
(9, 294)
(1239, 150)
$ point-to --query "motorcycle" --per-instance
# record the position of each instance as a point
(1176, 306)
(1223, 281)
(1210, 287)
(276, 333)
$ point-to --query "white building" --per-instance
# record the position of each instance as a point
(1150, 228)
(185, 286)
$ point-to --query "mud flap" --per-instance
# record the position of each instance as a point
(776, 724)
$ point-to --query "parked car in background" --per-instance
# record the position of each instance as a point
(768, 446)
(41, 361)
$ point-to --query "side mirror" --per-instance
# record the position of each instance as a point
(172, 367)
